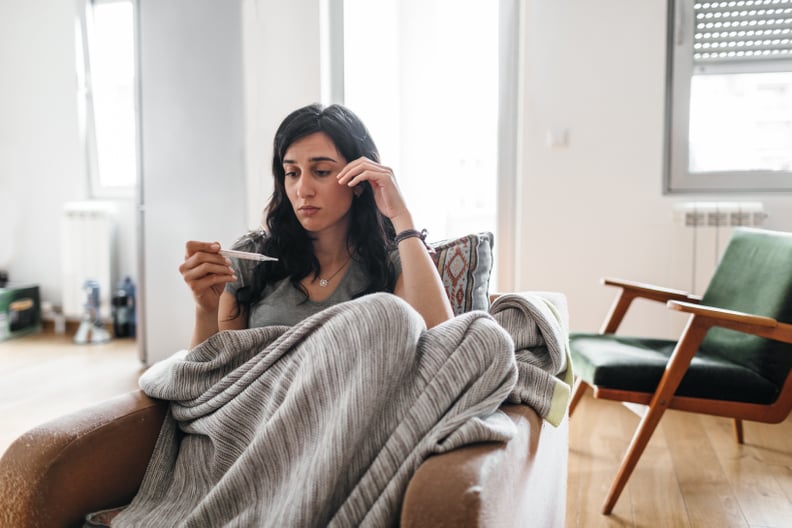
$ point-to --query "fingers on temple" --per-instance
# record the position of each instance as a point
(363, 169)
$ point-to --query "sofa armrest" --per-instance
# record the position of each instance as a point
(518, 483)
(85, 461)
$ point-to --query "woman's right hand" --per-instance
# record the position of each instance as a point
(206, 272)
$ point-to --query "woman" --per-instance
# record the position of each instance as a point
(336, 222)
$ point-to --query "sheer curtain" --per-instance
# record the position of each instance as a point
(423, 75)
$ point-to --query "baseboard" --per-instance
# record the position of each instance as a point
(71, 326)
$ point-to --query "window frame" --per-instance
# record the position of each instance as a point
(679, 72)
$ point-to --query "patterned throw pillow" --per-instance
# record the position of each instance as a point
(465, 266)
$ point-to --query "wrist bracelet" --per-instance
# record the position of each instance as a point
(413, 233)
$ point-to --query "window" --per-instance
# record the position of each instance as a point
(730, 118)
(107, 71)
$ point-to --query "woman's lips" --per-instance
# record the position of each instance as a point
(308, 210)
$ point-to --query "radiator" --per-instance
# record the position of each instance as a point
(704, 230)
(88, 252)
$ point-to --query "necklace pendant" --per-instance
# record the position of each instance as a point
(323, 283)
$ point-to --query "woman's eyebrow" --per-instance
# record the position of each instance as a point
(313, 159)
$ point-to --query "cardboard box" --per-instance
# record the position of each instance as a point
(20, 310)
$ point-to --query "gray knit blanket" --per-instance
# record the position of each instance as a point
(324, 423)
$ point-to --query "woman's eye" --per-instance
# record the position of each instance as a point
(291, 174)
(322, 172)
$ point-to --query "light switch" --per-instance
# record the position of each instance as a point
(557, 138)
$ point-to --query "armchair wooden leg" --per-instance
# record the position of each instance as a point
(577, 393)
(738, 430)
(634, 451)
(675, 370)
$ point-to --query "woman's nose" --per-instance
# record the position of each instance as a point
(304, 187)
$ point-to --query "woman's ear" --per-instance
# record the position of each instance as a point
(358, 190)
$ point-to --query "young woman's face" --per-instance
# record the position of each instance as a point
(311, 164)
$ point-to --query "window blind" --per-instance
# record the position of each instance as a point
(743, 34)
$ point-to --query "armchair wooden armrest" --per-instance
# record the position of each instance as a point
(650, 291)
(638, 290)
(739, 321)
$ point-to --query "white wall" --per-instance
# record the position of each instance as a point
(596, 208)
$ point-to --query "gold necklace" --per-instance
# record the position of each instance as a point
(324, 282)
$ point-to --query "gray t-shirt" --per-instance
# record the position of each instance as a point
(282, 303)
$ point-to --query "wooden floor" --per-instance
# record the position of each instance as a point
(692, 473)
(44, 376)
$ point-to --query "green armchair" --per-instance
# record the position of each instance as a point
(733, 358)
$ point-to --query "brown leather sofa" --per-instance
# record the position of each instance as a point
(95, 458)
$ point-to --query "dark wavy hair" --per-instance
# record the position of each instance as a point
(371, 234)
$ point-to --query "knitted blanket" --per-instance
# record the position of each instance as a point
(324, 423)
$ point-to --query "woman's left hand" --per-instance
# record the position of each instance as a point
(419, 283)
(387, 195)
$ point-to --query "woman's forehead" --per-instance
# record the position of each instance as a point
(310, 147)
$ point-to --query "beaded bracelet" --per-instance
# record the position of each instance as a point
(414, 233)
